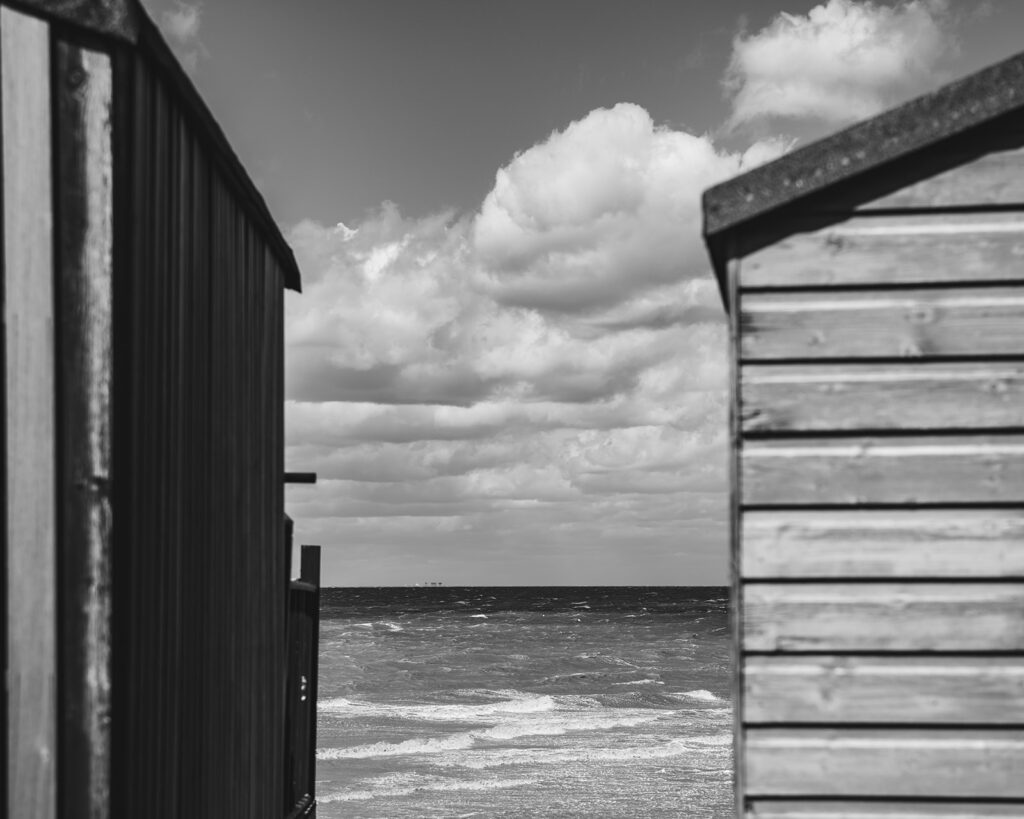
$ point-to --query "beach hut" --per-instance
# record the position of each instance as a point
(146, 595)
(875, 286)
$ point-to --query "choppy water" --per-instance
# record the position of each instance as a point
(524, 702)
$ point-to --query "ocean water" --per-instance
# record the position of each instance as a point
(524, 702)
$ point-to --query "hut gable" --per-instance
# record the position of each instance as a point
(874, 286)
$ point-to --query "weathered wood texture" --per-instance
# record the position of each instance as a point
(885, 762)
(995, 178)
(894, 248)
(200, 575)
(883, 617)
(855, 396)
(884, 544)
(30, 430)
(907, 690)
(897, 471)
(883, 323)
(880, 480)
(843, 809)
(83, 83)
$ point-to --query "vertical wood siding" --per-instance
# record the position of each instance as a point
(880, 480)
(199, 576)
(30, 466)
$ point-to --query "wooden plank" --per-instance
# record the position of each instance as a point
(883, 543)
(938, 763)
(883, 617)
(883, 324)
(835, 809)
(84, 85)
(993, 179)
(31, 510)
(928, 395)
(904, 248)
(908, 690)
(906, 470)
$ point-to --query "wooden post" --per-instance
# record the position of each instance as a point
(310, 573)
(30, 503)
(83, 88)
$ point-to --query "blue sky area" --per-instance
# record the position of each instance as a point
(508, 364)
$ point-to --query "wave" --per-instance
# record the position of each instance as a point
(386, 789)
(705, 750)
(514, 703)
(699, 694)
(640, 682)
(547, 726)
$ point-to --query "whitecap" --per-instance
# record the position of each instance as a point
(700, 694)
(428, 784)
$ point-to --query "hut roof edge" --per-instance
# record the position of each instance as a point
(906, 129)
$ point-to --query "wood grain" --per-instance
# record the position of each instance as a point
(842, 809)
(28, 315)
(84, 92)
(993, 179)
(885, 762)
(907, 690)
(904, 248)
(960, 543)
(883, 323)
(927, 395)
(899, 471)
(883, 617)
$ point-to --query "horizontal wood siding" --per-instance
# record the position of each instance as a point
(896, 248)
(846, 809)
(901, 689)
(880, 452)
(883, 323)
(884, 762)
(924, 396)
(884, 543)
(883, 617)
(200, 575)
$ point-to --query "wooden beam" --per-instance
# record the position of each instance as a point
(30, 464)
(84, 87)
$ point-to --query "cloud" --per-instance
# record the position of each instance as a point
(842, 61)
(600, 212)
(180, 25)
(548, 369)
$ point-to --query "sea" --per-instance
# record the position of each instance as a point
(568, 702)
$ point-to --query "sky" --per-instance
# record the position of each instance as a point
(508, 364)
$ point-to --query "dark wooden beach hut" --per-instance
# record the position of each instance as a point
(875, 284)
(147, 635)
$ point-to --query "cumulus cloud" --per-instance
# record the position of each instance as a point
(550, 368)
(600, 212)
(842, 61)
(180, 24)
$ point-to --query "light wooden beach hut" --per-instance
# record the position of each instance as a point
(875, 285)
(149, 624)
